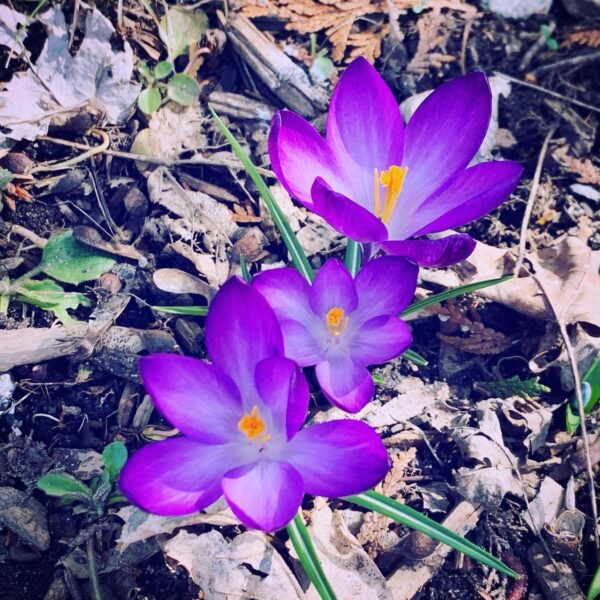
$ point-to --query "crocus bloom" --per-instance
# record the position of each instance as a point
(341, 324)
(241, 420)
(376, 181)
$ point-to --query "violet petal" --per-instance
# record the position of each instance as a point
(299, 155)
(339, 458)
(241, 330)
(364, 128)
(265, 495)
(434, 253)
(333, 286)
(380, 339)
(345, 215)
(284, 390)
(345, 384)
(197, 398)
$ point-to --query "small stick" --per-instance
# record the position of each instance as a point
(575, 61)
(536, 47)
(535, 184)
(74, 23)
(539, 88)
(34, 238)
(463, 45)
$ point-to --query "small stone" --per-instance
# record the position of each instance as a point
(587, 191)
(136, 203)
(18, 162)
(7, 387)
(519, 9)
(25, 517)
(110, 282)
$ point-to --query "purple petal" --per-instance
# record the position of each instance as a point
(287, 293)
(265, 495)
(299, 155)
(241, 330)
(333, 286)
(301, 344)
(470, 194)
(197, 398)
(380, 339)
(385, 286)
(339, 458)
(284, 390)
(345, 384)
(176, 476)
(345, 215)
(440, 139)
(364, 127)
(434, 253)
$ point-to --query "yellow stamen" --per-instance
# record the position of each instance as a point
(377, 195)
(253, 426)
(336, 320)
(392, 180)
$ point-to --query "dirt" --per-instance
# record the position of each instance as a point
(73, 403)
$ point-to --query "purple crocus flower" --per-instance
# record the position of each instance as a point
(241, 419)
(341, 324)
(376, 181)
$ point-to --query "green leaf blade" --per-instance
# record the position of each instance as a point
(61, 485)
(114, 457)
(457, 291)
(353, 256)
(196, 311)
(69, 261)
(149, 100)
(415, 520)
(308, 557)
(183, 89)
(290, 240)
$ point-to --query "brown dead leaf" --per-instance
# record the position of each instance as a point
(586, 170)
(569, 276)
(587, 37)
(338, 19)
(434, 30)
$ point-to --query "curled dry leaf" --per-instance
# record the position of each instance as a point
(545, 506)
(140, 525)
(566, 280)
(176, 281)
(97, 75)
(222, 568)
(350, 570)
(489, 481)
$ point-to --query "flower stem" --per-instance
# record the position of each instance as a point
(92, 569)
(353, 252)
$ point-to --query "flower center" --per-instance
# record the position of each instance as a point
(253, 426)
(336, 320)
(392, 180)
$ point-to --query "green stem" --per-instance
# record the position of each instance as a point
(308, 557)
(353, 251)
(93, 570)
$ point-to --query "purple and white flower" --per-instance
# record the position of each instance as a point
(376, 181)
(241, 417)
(341, 324)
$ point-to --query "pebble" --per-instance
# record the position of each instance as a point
(587, 191)
(518, 9)
(25, 517)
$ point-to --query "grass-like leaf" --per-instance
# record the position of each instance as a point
(415, 357)
(415, 520)
(297, 255)
(353, 256)
(308, 557)
(457, 291)
(198, 311)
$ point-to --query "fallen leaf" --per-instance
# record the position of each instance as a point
(176, 281)
(545, 506)
(246, 567)
(350, 570)
(140, 525)
(61, 83)
(489, 481)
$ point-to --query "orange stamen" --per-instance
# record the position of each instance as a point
(336, 320)
(252, 425)
(392, 180)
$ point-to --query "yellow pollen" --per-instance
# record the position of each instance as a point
(336, 320)
(392, 180)
(253, 426)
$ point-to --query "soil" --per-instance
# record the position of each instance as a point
(73, 403)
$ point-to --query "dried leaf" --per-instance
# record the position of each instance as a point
(545, 506)
(176, 281)
(586, 170)
(223, 569)
(338, 20)
(140, 525)
(350, 570)
(587, 37)
(434, 29)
